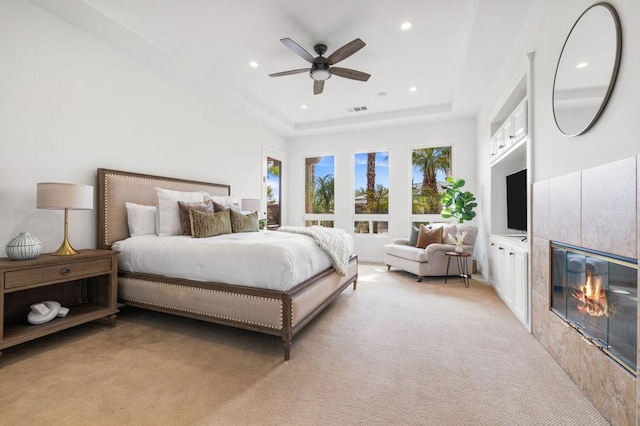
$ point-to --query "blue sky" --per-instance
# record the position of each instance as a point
(417, 175)
(382, 169)
(325, 166)
(274, 182)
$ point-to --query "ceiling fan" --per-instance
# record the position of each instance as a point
(322, 68)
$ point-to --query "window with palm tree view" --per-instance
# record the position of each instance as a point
(371, 196)
(274, 169)
(430, 167)
(319, 190)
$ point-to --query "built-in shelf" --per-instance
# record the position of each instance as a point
(510, 144)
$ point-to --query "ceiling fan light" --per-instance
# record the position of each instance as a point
(320, 74)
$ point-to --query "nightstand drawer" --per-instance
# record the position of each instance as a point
(51, 274)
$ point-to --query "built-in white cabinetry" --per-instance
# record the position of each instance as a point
(512, 131)
(519, 122)
(510, 151)
(509, 273)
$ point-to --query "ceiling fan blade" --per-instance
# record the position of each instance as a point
(299, 71)
(297, 49)
(318, 86)
(349, 73)
(345, 51)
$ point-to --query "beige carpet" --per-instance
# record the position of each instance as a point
(394, 352)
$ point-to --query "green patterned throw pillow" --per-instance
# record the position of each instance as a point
(205, 225)
(244, 223)
(185, 218)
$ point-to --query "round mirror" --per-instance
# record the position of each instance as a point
(587, 69)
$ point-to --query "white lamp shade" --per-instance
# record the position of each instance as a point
(57, 196)
(250, 204)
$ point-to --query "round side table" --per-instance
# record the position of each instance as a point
(463, 267)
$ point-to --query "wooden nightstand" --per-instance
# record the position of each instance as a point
(85, 283)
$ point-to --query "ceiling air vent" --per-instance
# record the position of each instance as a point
(357, 109)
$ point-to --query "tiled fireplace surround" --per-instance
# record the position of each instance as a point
(597, 208)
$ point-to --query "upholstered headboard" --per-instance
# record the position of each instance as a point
(115, 188)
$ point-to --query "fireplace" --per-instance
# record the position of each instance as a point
(597, 294)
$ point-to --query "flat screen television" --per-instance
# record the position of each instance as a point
(517, 201)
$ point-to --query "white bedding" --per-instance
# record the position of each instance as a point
(267, 259)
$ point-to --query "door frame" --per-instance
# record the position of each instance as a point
(270, 152)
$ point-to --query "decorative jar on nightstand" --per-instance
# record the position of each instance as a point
(24, 246)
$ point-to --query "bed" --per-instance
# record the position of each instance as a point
(262, 307)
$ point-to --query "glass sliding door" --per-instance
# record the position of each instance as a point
(274, 191)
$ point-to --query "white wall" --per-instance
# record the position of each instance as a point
(71, 103)
(399, 141)
(614, 136)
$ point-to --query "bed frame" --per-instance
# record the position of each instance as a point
(279, 313)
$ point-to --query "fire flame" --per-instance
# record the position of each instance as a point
(592, 298)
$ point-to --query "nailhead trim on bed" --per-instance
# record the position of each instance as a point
(106, 212)
(302, 293)
(106, 209)
(158, 180)
(208, 314)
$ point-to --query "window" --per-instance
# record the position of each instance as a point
(323, 223)
(429, 168)
(274, 169)
(372, 183)
(371, 193)
(361, 227)
(376, 227)
(319, 191)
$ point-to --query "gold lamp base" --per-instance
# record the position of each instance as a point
(65, 249)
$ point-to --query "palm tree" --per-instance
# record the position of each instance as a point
(310, 182)
(270, 197)
(371, 180)
(273, 167)
(429, 161)
(323, 194)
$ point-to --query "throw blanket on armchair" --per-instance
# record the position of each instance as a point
(335, 242)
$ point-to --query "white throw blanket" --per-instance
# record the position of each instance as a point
(335, 242)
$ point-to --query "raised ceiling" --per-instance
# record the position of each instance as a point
(449, 55)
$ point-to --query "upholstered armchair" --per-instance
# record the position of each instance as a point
(431, 260)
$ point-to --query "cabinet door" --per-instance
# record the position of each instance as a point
(519, 122)
(493, 145)
(500, 269)
(507, 134)
(501, 135)
(521, 294)
(493, 263)
(509, 268)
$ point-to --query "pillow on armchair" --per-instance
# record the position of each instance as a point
(471, 234)
(413, 238)
(431, 234)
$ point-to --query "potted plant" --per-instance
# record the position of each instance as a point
(456, 202)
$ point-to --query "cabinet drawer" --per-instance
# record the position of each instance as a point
(50, 274)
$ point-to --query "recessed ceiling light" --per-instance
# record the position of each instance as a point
(382, 93)
(405, 26)
(303, 106)
(253, 64)
(413, 88)
(582, 65)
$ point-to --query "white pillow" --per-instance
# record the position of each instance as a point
(141, 219)
(226, 201)
(168, 216)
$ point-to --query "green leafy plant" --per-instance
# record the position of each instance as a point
(456, 202)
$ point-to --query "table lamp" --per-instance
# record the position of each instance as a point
(58, 196)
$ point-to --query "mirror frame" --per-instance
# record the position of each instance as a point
(614, 71)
